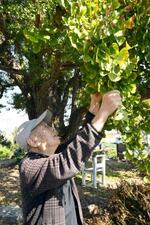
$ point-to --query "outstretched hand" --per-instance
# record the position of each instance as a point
(95, 102)
(111, 101)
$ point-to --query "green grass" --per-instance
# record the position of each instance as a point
(115, 172)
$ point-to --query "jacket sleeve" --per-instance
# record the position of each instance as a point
(88, 117)
(48, 173)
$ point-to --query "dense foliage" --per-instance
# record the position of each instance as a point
(58, 52)
(6, 147)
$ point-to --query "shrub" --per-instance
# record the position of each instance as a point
(11, 152)
(18, 154)
(5, 152)
(8, 152)
(130, 204)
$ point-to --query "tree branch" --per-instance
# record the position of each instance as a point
(69, 65)
(3, 88)
(12, 70)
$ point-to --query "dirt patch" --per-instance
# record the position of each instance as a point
(9, 186)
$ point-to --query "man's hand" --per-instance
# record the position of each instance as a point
(111, 101)
(95, 102)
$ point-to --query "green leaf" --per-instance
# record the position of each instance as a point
(31, 36)
(46, 37)
(120, 38)
(147, 179)
(130, 152)
(83, 10)
(87, 58)
(148, 167)
(114, 49)
(133, 88)
(90, 90)
(97, 55)
(133, 76)
(99, 87)
(103, 73)
(120, 114)
(77, 31)
(36, 49)
(147, 102)
(116, 70)
(73, 39)
(108, 64)
(119, 33)
(129, 70)
(128, 47)
(63, 3)
(128, 155)
(115, 4)
(114, 77)
(122, 58)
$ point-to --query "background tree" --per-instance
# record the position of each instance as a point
(58, 52)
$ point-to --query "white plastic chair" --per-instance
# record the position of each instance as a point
(98, 165)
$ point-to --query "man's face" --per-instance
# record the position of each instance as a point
(44, 138)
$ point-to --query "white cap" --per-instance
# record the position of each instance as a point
(25, 129)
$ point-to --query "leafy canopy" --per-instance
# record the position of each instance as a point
(107, 40)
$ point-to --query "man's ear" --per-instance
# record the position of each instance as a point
(32, 142)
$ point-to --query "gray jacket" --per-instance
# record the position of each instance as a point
(42, 178)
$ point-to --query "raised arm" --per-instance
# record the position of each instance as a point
(111, 101)
(51, 172)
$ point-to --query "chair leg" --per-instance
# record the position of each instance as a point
(103, 176)
(94, 179)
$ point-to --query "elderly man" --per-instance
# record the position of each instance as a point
(49, 193)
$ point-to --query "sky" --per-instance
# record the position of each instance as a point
(9, 117)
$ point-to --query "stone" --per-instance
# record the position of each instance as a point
(93, 209)
(11, 215)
